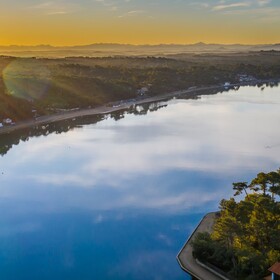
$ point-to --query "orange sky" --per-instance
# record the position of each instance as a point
(60, 22)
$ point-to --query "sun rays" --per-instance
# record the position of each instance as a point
(26, 79)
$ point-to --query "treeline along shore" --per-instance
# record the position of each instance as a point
(41, 90)
(122, 105)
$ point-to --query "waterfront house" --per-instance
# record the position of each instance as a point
(142, 91)
(8, 121)
(275, 270)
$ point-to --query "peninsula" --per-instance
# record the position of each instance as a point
(242, 240)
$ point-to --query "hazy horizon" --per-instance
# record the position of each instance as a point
(68, 23)
(138, 45)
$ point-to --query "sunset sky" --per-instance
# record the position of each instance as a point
(70, 22)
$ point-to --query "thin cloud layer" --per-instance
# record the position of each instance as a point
(230, 6)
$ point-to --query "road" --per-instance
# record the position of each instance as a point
(110, 108)
(185, 257)
(105, 109)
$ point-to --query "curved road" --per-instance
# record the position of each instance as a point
(185, 257)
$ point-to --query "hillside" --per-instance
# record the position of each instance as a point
(38, 86)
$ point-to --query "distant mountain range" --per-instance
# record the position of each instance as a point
(126, 49)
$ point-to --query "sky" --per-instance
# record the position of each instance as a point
(70, 22)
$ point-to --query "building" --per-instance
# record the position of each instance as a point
(7, 121)
(246, 78)
(275, 270)
(142, 91)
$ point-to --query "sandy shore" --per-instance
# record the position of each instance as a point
(109, 108)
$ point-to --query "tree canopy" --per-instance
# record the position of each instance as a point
(245, 240)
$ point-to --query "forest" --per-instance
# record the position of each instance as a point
(245, 240)
(34, 86)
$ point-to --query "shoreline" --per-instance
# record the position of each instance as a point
(117, 106)
(185, 257)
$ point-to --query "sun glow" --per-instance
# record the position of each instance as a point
(26, 82)
(138, 22)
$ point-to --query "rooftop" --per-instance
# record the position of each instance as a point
(275, 268)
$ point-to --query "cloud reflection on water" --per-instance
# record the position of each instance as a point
(217, 138)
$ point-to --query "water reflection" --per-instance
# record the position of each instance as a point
(117, 199)
(7, 141)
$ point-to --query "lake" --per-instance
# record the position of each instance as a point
(115, 197)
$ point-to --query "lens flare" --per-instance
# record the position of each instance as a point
(28, 79)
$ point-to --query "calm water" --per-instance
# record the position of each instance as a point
(117, 199)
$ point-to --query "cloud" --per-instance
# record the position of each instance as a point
(263, 2)
(58, 13)
(41, 6)
(111, 6)
(231, 6)
(152, 264)
(200, 5)
(129, 163)
(54, 8)
(99, 219)
(133, 13)
(264, 14)
(165, 239)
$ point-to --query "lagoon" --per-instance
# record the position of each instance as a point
(116, 197)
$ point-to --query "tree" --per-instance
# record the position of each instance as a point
(245, 240)
(260, 183)
(274, 181)
(239, 187)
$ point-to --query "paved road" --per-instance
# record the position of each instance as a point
(105, 109)
(185, 257)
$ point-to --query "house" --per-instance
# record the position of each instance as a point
(142, 91)
(246, 78)
(7, 121)
(275, 270)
